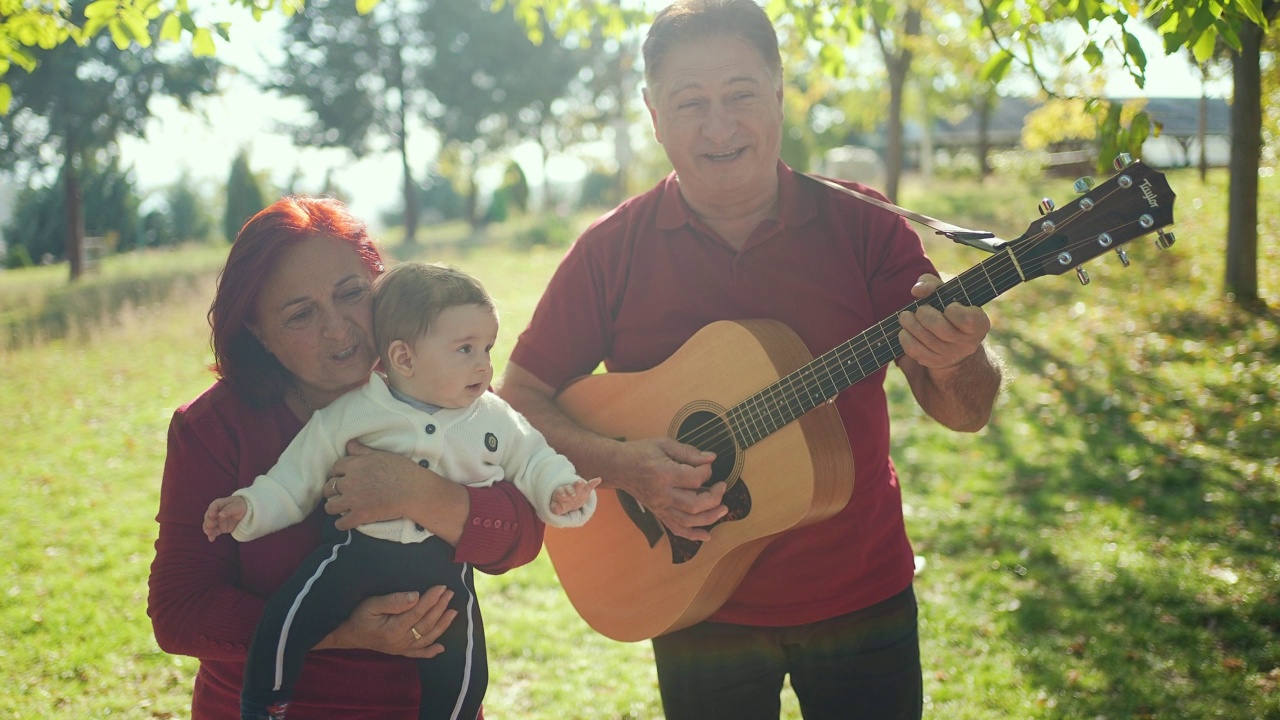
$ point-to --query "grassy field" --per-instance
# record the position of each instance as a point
(1107, 548)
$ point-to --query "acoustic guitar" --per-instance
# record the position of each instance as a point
(751, 392)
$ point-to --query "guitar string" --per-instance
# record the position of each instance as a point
(785, 390)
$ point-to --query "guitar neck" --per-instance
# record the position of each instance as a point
(813, 384)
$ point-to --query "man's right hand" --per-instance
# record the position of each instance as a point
(666, 477)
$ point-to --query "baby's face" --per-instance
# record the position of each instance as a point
(453, 357)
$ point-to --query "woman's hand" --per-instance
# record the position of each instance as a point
(406, 623)
(371, 485)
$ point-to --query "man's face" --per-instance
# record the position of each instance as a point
(717, 110)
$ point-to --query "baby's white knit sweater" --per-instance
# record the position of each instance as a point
(478, 445)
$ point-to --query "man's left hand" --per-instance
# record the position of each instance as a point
(941, 339)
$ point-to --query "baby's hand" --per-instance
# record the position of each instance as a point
(223, 515)
(567, 498)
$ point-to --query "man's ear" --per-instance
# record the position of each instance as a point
(400, 355)
(653, 115)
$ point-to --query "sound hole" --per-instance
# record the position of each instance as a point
(709, 431)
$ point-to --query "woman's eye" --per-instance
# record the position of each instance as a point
(299, 317)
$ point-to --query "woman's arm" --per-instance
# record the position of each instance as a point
(198, 600)
(493, 528)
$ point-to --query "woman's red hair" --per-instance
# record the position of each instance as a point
(238, 358)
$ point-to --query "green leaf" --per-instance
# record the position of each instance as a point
(136, 24)
(119, 34)
(1092, 54)
(100, 9)
(202, 43)
(1253, 10)
(1133, 49)
(171, 28)
(996, 66)
(1203, 49)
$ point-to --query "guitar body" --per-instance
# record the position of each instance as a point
(629, 585)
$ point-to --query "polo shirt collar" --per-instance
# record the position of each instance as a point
(795, 206)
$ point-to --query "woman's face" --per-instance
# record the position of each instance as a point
(315, 316)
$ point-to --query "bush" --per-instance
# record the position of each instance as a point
(18, 257)
(549, 230)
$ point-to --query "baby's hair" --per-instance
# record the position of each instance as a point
(411, 295)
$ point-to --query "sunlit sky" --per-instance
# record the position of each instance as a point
(204, 143)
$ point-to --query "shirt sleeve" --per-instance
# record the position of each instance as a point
(502, 532)
(571, 330)
(194, 601)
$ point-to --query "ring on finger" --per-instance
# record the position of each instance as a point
(416, 635)
(333, 485)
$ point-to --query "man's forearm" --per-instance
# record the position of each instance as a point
(960, 397)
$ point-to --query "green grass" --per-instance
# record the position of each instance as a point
(1107, 547)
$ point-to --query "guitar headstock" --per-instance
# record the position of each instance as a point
(1136, 201)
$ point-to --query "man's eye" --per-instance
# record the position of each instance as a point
(354, 294)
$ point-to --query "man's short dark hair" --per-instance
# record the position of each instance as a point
(685, 21)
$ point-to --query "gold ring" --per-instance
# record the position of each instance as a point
(416, 635)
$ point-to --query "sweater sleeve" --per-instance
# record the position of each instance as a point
(195, 602)
(292, 488)
(537, 470)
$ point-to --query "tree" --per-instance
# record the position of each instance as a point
(79, 99)
(28, 29)
(39, 222)
(361, 72)
(188, 214)
(244, 196)
(479, 103)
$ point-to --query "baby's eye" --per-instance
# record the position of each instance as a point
(465, 349)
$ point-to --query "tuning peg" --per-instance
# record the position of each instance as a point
(1124, 256)
(1083, 275)
(1165, 240)
(1046, 206)
(1084, 184)
(1122, 161)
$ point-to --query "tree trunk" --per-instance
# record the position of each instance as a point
(410, 187)
(1202, 128)
(986, 105)
(898, 66)
(75, 213)
(1246, 153)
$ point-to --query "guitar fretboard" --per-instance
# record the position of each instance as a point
(826, 376)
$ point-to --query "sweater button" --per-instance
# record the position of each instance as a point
(488, 523)
(431, 429)
(425, 463)
(475, 521)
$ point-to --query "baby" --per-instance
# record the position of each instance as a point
(434, 328)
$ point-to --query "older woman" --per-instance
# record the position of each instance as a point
(291, 332)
